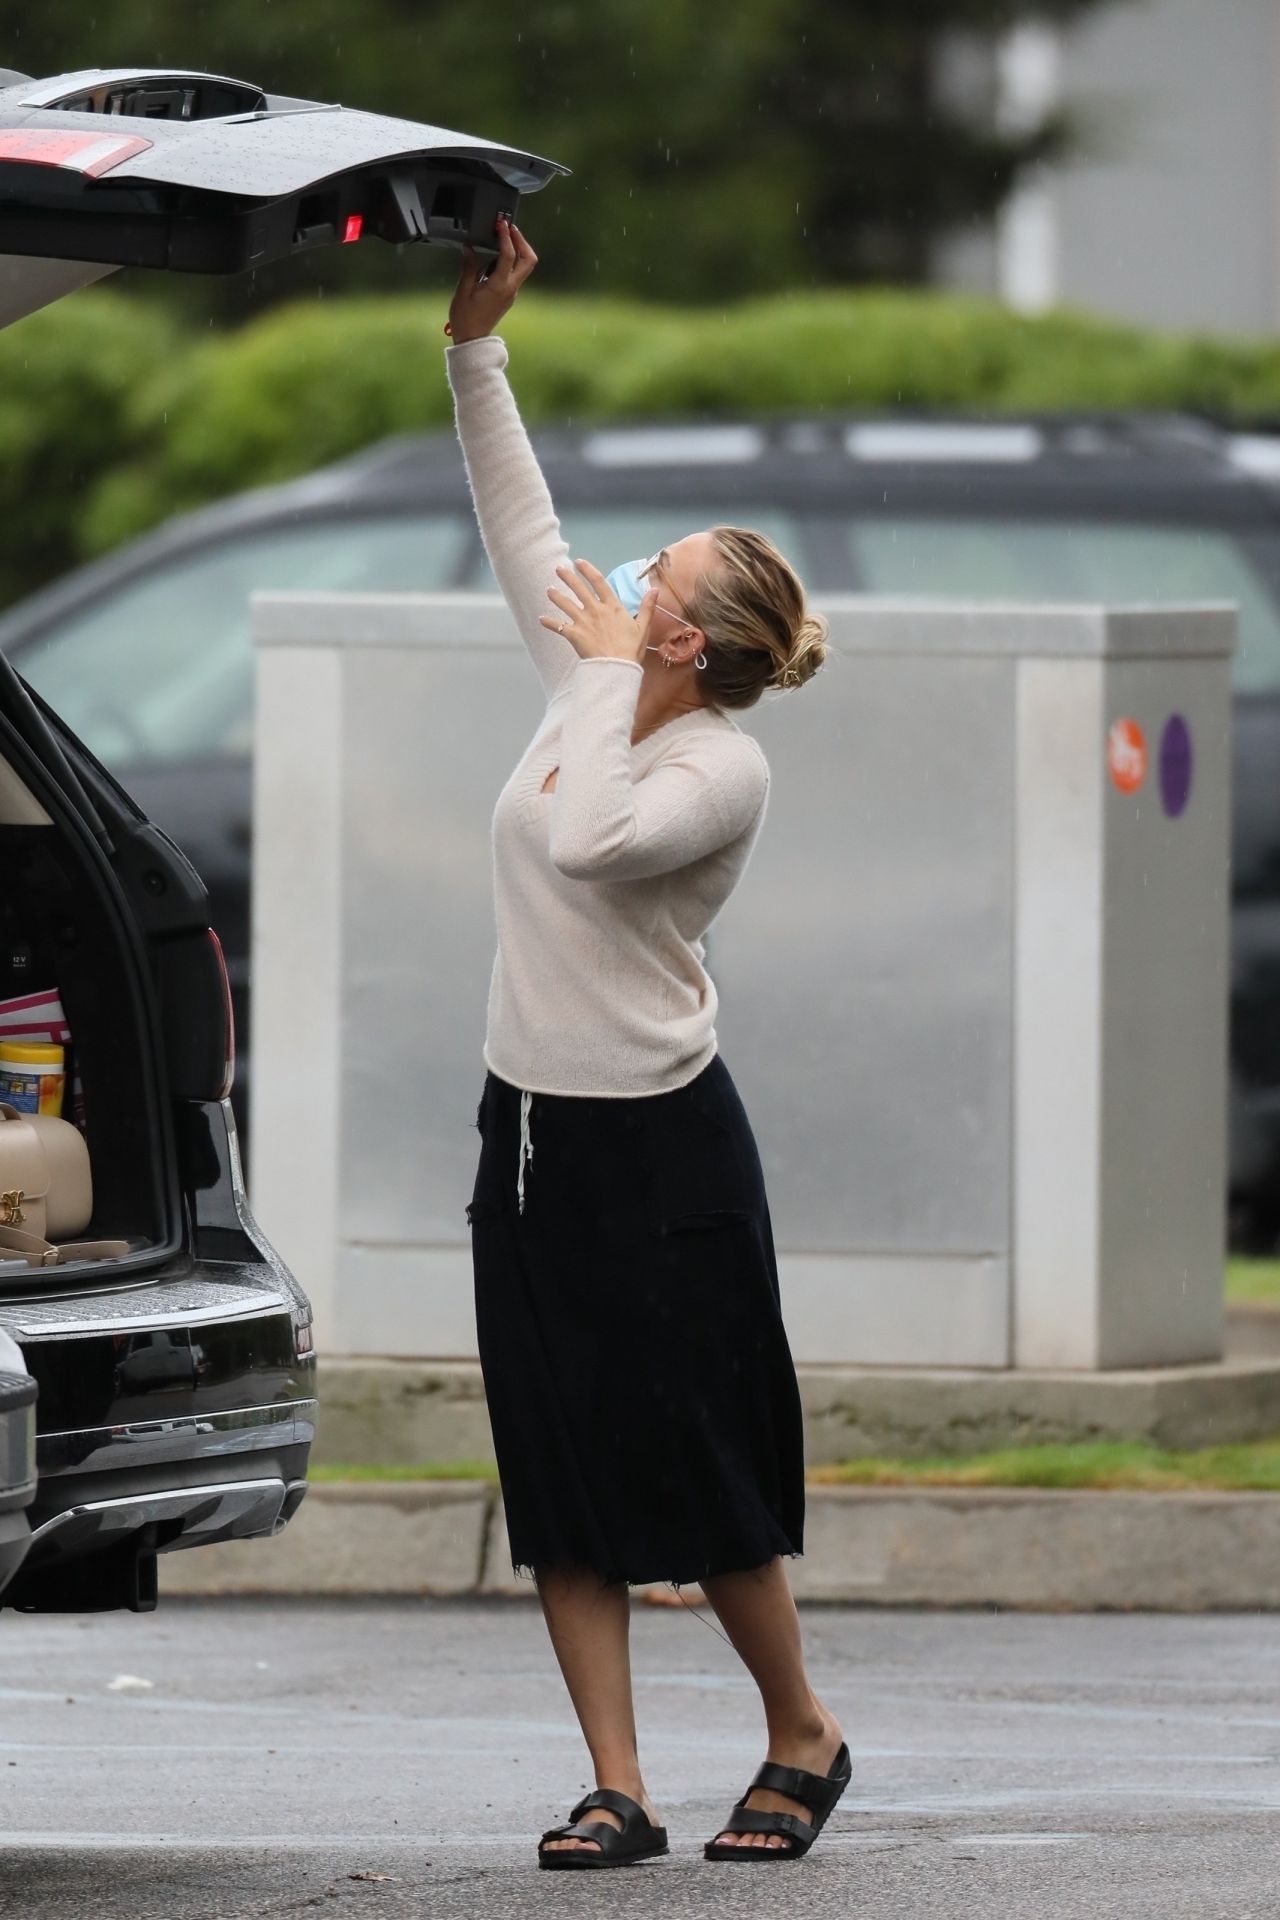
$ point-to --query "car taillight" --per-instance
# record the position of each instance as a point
(90, 153)
(228, 1021)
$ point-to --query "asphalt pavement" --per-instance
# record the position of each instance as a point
(245, 1758)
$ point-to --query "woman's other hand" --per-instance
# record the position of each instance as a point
(593, 619)
(480, 299)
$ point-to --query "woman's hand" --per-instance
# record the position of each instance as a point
(480, 299)
(593, 619)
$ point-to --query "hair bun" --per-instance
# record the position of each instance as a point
(809, 649)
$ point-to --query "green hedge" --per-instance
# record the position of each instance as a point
(70, 379)
(112, 419)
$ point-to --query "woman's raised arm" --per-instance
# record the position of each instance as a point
(518, 522)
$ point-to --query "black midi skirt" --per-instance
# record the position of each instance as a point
(645, 1411)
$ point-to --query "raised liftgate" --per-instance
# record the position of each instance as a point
(198, 173)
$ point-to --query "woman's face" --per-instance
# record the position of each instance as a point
(676, 572)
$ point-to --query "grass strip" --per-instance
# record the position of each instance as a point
(1105, 1465)
(423, 1470)
(1254, 1282)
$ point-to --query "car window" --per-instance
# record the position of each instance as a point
(162, 669)
(1071, 560)
(608, 536)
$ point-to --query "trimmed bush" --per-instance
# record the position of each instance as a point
(114, 418)
(69, 381)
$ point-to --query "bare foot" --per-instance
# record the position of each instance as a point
(816, 1752)
(609, 1819)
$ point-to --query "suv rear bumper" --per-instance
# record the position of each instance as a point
(171, 1415)
(232, 1475)
(192, 1515)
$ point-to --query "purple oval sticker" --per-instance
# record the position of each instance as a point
(1175, 765)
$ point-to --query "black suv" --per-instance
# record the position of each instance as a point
(174, 1380)
(147, 651)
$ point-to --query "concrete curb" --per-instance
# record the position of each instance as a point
(413, 1536)
(882, 1546)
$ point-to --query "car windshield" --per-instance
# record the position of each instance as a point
(996, 559)
(161, 670)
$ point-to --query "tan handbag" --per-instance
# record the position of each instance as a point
(46, 1192)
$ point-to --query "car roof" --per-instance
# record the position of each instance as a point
(1140, 465)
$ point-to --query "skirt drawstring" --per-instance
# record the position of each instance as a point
(526, 1144)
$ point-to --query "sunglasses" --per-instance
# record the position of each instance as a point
(655, 567)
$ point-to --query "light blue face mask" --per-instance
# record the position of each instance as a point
(627, 584)
(631, 589)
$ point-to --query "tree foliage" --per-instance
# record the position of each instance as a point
(780, 143)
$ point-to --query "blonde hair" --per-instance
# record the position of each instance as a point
(752, 609)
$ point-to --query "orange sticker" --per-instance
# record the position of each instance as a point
(1127, 755)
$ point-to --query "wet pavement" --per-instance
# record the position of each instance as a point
(401, 1757)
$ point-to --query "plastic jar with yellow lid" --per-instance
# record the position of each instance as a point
(32, 1076)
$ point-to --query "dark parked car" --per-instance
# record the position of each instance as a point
(17, 1457)
(147, 651)
(172, 1381)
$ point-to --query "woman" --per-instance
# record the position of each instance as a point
(645, 1413)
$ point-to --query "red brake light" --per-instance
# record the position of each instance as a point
(228, 1021)
(354, 228)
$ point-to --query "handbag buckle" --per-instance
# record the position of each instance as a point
(11, 1214)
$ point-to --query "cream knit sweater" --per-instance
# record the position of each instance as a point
(604, 887)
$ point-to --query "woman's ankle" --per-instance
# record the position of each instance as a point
(621, 1780)
(805, 1723)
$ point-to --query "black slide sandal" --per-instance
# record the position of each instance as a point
(819, 1792)
(638, 1840)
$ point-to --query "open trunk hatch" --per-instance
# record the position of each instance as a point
(78, 867)
(198, 173)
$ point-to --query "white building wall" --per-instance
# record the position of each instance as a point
(1169, 214)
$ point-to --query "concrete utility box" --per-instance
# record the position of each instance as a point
(973, 984)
